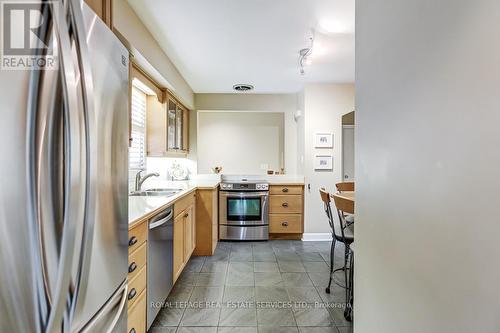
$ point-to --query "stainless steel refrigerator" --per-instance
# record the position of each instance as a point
(63, 177)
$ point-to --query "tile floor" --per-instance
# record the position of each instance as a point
(264, 287)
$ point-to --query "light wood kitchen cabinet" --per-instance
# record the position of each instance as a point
(136, 320)
(178, 246)
(177, 126)
(286, 211)
(103, 9)
(136, 286)
(156, 118)
(137, 276)
(167, 128)
(184, 232)
(285, 204)
(189, 233)
(207, 221)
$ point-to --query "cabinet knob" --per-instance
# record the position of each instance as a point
(186, 215)
(132, 267)
(285, 224)
(132, 294)
(132, 241)
(284, 189)
(285, 204)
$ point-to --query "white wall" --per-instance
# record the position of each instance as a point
(150, 56)
(240, 142)
(300, 127)
(283, 103)
(324, 104)
(427, 169)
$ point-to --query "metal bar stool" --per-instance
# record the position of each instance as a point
(341, 231)
(350, 300)
(346, 187)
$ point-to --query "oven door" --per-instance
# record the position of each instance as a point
(243, 208)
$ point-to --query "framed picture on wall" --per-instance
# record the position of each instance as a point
(323, 162)
(323, 140)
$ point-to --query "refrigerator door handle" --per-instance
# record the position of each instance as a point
(87, 89)
(75, 173)
(121, 296)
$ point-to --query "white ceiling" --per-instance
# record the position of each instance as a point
(218, 43)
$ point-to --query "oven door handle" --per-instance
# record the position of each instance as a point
(244, 194)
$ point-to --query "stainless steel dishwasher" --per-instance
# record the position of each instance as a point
(160, 261)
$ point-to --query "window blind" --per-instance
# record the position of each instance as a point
(137, 151)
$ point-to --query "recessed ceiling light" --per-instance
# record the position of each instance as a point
(242, 87)
(332, 27)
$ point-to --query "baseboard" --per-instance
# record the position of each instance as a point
(316, 236)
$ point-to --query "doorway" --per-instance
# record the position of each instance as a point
(348, 121)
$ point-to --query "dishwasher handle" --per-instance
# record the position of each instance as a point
(155, 224)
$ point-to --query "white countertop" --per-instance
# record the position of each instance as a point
(141, 206)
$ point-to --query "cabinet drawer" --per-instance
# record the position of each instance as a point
(182, 204)
(137, 260)
(285, 189)
(285, 204)
(285, 223)
(137, 236)
(137, 315)
(136, 286)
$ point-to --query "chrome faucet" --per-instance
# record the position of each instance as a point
(139, 180)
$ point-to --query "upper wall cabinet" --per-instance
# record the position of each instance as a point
(103, 9)
(177, 127)
(167, 128)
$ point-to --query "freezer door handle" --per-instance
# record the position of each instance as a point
(88, 113)
(120, 296)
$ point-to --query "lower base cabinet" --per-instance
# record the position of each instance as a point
(137, 278)
(136, 322)
(207, 221)
(286, 208)
(184, 232)
(178, 246)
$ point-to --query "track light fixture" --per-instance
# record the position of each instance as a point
(305, 53)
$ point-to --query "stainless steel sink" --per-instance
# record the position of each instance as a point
(156, 192)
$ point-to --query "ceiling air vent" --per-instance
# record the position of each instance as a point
(242, 87)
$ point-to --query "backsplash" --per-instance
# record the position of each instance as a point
(163, 166)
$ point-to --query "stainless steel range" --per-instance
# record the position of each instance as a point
(243, 208)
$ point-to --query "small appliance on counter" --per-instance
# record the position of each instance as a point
(243, 208)
(178, 172)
